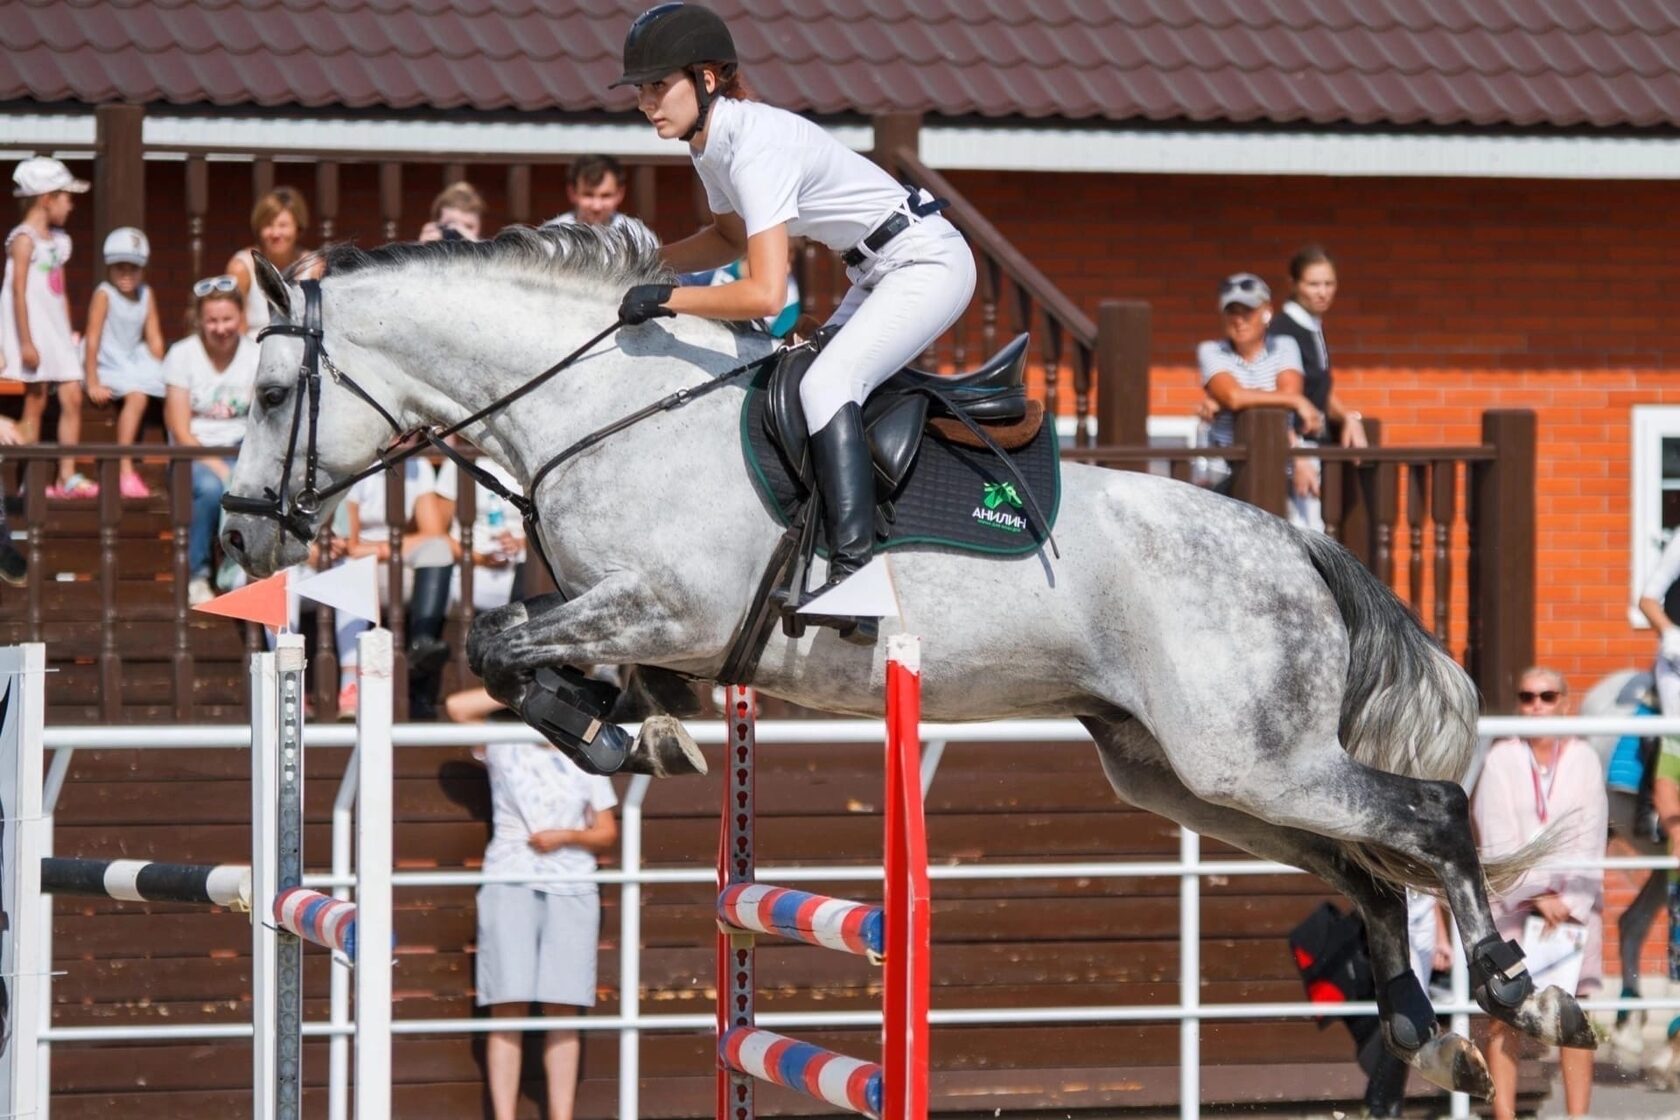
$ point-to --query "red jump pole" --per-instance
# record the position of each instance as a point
(906, 897)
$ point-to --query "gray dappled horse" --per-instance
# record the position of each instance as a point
(1245, 679)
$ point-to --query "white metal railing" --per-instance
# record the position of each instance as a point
(1189, 868)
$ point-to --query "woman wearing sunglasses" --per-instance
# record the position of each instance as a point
(1527, 785)
(208, 377)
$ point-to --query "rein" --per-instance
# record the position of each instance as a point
(297, 517)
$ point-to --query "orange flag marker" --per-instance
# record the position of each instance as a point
(263, 601)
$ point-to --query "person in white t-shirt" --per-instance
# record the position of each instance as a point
(208, 378)
(537, 941)
(1659, 602)
(498, 535)
(595, 188)
(771, 175)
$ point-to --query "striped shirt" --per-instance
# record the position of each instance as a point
(1281, 353)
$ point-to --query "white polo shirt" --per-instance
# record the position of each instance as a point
(771, 166)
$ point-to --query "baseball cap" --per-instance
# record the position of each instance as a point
(1243, 288)
(126, 245)
(43, 175)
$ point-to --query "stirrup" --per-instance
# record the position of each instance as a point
(1498, 965)
(570, 709)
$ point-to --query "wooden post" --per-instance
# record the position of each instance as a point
(1123, 327)
(262, 178)
(326, 198)
(644, 190)
(1502, 615)
(198, 204)
(119, 169)
(519, 193)
(892, 132)
(390, 204)
(453, 172)
(1259, 479)
(1358, 481)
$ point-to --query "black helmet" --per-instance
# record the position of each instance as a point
(672, 37)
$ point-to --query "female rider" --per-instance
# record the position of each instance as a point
(770, 175)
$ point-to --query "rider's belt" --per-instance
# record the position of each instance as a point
(897, 222)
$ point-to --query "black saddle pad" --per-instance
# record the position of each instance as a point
(952, 497)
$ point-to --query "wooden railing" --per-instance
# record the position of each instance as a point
(1449, 529)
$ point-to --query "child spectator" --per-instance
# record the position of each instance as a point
(209, 377)
(457, 215)
(277, 222)
(39, 346)
(124, 344)
(595, 188)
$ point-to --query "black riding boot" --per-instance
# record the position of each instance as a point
(846, 478)
(428, 607)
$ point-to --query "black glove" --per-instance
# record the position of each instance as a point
(644, 302)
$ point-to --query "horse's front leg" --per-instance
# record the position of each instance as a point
(529, 667)
(491, 624)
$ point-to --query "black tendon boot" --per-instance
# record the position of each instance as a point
(846, 478)
(428, 606)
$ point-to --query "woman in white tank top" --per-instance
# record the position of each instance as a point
(277, 223)
(770, 175)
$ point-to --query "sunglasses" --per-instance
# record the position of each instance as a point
(1549, 696)
(1246, 284)
(222, 284)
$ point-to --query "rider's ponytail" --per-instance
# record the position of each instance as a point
(731, 83)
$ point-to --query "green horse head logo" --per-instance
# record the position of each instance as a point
(999, 493)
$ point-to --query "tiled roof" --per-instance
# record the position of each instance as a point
(1598, 63)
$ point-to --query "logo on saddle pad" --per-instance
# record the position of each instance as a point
(998, 500)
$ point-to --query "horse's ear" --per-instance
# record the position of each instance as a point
(273, 285)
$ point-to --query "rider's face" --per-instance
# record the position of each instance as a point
(669, 104)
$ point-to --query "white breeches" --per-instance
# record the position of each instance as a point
(900, 301)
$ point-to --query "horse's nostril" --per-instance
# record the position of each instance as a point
(235, 540)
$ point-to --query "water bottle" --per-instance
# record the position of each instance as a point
(494, 516)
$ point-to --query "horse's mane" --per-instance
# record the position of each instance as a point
(614, 257)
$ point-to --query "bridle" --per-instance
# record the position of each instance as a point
(296, 514)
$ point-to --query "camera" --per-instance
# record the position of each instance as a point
(450, 233)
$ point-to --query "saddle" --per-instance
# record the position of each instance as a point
(964, 463)
(992, 397)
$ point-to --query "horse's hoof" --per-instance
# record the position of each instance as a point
(1555, 1019)
(1453, 1062)
(665, 749)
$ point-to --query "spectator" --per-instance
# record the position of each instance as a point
(1525, 786)
(595, 188)
(38, 344)
(124, 350)
(209, 377)
(457, 215)
(1665, 795)
(14, 566)
(1312, 277)
(427, 564)
(277, 223)
(1659, 602)
(1250, 369)
(537, 941)
(497, 535)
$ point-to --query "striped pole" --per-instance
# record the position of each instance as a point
(841, 1081)
(318, 918)
(139, 880)
(830, 923)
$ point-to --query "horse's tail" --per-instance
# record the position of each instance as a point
(1407, 708)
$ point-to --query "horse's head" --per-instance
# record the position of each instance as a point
(306, 436)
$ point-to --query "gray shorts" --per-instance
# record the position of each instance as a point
(533, 945)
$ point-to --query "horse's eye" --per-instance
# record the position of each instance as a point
(274, 397)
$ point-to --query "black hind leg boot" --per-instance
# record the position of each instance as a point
(846, 477)
(428, 653)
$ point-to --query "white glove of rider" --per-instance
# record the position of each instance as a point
(1671, 645)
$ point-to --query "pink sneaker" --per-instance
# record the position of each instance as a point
(347, 699)
(133, 486)
(75, 487)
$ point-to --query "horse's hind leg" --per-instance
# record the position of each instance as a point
(1428, 823)
(1139, 773)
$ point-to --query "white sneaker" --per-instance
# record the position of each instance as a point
(199, 591)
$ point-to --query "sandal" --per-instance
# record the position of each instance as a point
(133, 486)
(75, 487)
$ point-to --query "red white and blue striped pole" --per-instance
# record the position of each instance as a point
(318, 918)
